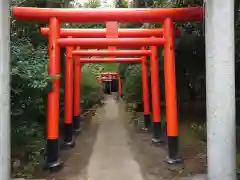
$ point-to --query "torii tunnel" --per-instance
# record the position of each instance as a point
(145, 87)
(79, 61)
(109, 76)
(105, 76)
(154, 70)
(166, 38)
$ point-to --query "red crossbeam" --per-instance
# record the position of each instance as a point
(112, 53)
(103, 15)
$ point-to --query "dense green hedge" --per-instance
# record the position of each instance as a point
(132, 82)
(132, 87)
(90, 89)
(29, 90)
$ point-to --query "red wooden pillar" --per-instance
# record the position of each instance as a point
(156, 120)
(170, 90)
(145, 93)
(111, 32)
(77, 95)
(53, 160)
(68, 106)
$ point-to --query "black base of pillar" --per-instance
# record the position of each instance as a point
(76, 125)
(68, 137)
(147, 122)
(173, 150)
(174, 161)
(157, 133)
(52, 161)
(68, 145)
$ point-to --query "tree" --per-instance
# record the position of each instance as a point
(92, 4)
(121, 4)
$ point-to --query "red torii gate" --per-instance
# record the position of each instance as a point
(76, 112)
(68, 119)
(55, 16)
(141, 40)
(154, 68)
(143, 53)
(146, 112)
(102, 77)
(102, 15)
(101, 33)
(111, 26)
(155, 83)
(76, 125)
(120, 33)
(122, 60)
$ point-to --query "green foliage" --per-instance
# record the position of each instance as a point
(122, 69)
(92, 4)
(132, 88)
(121, 3)
(110, 67)
(190, 48)
(90, 90)
(28, 94)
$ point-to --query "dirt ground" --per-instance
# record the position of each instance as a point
(149, 157)
(76, 159)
